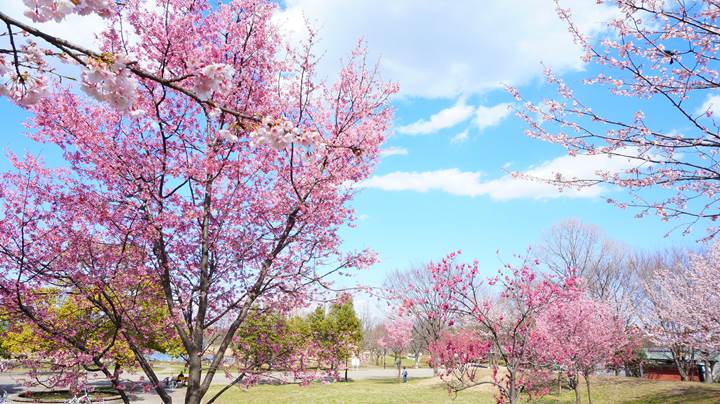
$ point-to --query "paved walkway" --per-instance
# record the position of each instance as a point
(12, 382)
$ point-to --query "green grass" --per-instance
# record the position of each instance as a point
(605, 391)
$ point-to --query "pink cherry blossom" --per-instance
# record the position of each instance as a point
(656, 54)
(57, 10)
(164, 196)
(580, 335)
(212, 78)
(506, 323)
(113, 84)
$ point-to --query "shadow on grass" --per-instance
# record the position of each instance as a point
(679, 395)
(386, 380)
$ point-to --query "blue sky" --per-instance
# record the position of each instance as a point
(443, 184)
(412, 226)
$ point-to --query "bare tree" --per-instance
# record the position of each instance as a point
(372, 331)
(416, 284)
(573, 246)
(611, 270)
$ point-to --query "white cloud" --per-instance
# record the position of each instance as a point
(448, 48)
(393, 151)
(507, 187)
(446, 118)
(712, 105)
(451, 180)
(486, 117)
(460, 137)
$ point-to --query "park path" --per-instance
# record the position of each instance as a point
(12, 382)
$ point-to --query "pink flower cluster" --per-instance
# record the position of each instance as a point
(459, 349)
(25, 89)
(111, 83)
(46, 10)
(211, 78)
(398, 334)
(280, 133)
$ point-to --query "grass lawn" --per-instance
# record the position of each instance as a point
(606, 390)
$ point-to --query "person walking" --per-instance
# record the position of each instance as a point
(405, 374)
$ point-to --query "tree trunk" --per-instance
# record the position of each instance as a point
(559, 383)
(193, 393)
(512, 389)
(708, 374)
(587, 383)
(577, 395)
(148, 370)
(684, 362)
(115, 380)
(195, 389)
(682, 369)
(573, 383)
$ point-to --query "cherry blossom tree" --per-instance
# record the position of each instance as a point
(661, 54)
(459, 353)
(398, 335)
(580, 334)
(419, 301)
(682, 295)
(506, 323)
(199, 157)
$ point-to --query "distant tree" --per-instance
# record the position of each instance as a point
(419, 301)
(397, 337)
(337, 332)
(608, 267)
(580, 335)
(266, 341)
(63, 312)
(506, 323)
(611, 271)
(372, 331)
(4, 325)
(417, 345)
(683, 302)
